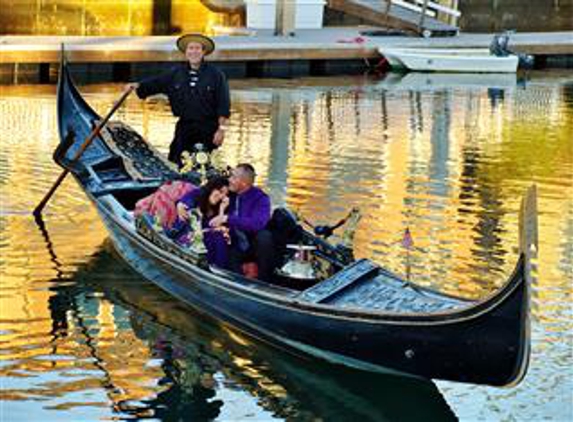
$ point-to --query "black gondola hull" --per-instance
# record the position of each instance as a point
(463, 348)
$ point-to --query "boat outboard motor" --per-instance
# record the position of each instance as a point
(499, 45)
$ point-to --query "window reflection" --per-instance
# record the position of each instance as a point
(128, 17)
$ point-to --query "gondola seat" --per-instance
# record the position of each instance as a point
(141, 161)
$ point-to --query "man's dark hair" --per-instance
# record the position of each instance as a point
(248, 170)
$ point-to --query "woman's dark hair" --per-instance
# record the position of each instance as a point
(215, 183)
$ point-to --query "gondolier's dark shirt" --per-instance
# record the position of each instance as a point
(200, 96)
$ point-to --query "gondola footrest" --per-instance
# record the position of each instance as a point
(329, 288)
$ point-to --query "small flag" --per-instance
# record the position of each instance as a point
(407, 241)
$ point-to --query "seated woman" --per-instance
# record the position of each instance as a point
(209, 201)
(162, 204)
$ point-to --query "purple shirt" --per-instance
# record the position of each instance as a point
(249, 211)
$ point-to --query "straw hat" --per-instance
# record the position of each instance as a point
(207, 43)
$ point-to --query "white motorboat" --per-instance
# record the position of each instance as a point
(476, 60)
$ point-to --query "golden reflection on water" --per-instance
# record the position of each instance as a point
(450, 164)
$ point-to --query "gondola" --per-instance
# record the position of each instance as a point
(354, 313)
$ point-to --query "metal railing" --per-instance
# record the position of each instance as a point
(447, 13)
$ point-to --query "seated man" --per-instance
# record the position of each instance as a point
(248, 214)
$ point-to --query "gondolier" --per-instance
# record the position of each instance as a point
(198, 94)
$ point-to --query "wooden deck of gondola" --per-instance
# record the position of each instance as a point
(259, 51)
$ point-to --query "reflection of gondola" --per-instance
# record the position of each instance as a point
(195, 352)
(356, 314)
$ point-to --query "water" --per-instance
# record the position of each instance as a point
(84, 337)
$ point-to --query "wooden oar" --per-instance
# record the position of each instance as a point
(83, 147)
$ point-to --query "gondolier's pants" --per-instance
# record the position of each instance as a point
(188, 133)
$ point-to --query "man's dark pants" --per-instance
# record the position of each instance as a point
(187, 134)
(262, 251)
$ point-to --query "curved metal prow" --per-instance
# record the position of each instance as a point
(528, 231)
(528, 246)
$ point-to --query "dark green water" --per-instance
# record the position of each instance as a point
(82, 337)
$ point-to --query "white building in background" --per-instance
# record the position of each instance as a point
(261, 14)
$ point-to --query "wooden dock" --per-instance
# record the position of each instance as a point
(325, 47)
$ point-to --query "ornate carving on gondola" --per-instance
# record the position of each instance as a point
(352, 221)
(146, 227)
(197, 162)
(197, 166)
(338, 282)
(384, 294)
(364, 284)
(196, 243)
(343, 251)
(141, 160)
